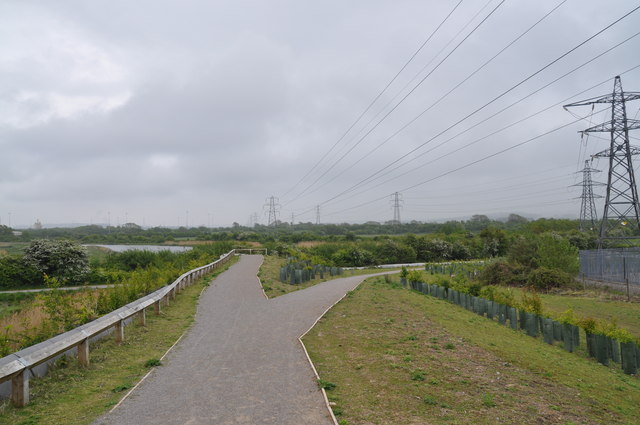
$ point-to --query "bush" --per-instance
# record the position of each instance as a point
(502, 273)
(531, 302)
(543, 279)
(555, 252)
(133, 259)
(354, 257)
(65, 260)
(415, 276)
(14, 272)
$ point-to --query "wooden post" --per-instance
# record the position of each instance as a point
(20, 389)
(156, 307)
(142, 316)
(119, 331)
(173, 293)
(83, 352)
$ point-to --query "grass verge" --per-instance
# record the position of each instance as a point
(594, 303)
(269, 275)
(70, 394)
(396, 356)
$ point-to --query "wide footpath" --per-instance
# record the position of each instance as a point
(241, 362)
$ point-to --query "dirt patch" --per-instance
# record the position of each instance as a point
(309, 244)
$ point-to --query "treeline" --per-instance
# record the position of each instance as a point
(285, 232)
(522, 248)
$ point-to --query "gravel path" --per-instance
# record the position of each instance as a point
(241, 362)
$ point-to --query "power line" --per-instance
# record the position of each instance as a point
(469, 164)
(494, 100)
(410, 122)
(399, 103)
(377, 97)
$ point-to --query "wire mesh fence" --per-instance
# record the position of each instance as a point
(611, 265)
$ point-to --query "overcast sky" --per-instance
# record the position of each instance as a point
(168, 112)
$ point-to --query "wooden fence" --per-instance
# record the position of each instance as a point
(17, 366)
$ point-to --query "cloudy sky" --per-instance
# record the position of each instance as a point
(196, 112)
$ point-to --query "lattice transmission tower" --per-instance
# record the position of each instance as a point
(317, 214)
(621, 217)
(396, 203)
(272, 209)
(588, 214)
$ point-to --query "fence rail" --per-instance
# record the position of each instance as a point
(607, 265)
(16, 366)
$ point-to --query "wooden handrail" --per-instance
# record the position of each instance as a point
(16, 366)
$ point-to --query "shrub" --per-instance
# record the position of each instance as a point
(499, 295)
(353, 257)
(543, 279)
(502, 273)
(65, 260)
(555, 252)
(531, 302)
(415, 276)
(15, 272)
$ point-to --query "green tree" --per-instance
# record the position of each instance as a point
(495, 242)
(65, 260)
(556, 253)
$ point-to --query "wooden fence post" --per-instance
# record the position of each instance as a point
(156, 307)
(142, 316)
(20, 389)
(119, 331)
(83, 352)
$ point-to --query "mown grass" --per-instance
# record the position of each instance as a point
(70, 394)
(397, 356)
(269, 275)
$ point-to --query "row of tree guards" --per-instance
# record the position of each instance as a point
(297, 272)
(601, 347)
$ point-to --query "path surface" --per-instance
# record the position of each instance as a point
(241, 362)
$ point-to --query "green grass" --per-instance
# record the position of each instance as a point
(12, 248)
(397, 356)
(269, 275)
(71, 395)
(593, 303)
(14, 302)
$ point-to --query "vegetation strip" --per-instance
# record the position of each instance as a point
(71, 394)
(395, 356)
(604, 344)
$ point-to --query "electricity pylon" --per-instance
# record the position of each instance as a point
(317, 214)
(588, 214)
(396, 202)
(272, 209)
(621, 208)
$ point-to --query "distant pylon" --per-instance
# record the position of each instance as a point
(293, 217)
(621, 217)
(396, 202)
(253, 219)
(272, 209)
(588, 214)
(317, 214)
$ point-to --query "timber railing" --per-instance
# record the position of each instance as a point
(17, 366)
